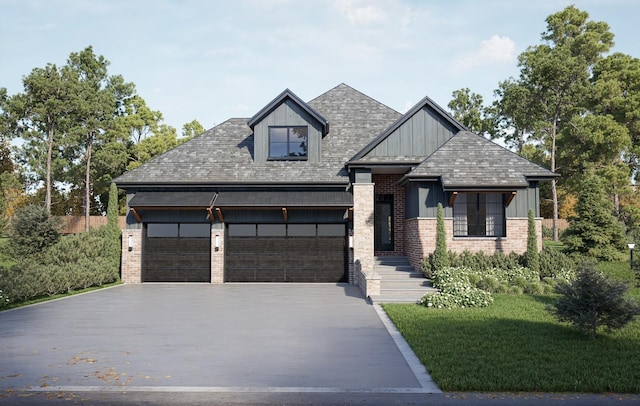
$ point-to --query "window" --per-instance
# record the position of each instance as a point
(288, 142)
(174, 230)
(479, 215)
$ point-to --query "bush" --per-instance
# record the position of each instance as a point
(75, 262)
(532, 257)
(4, 300)
(455, 291)
(554, 263)
(33, 230)
(594, 300)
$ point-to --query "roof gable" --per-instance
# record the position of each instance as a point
(282, 98)
(470, 161)
(417, 133)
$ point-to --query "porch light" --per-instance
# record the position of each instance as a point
(130, 242)
(631, 247)
(350, 241)
(217, 243)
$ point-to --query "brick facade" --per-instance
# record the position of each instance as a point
(420, 239)
(131, 265)
(388, 185)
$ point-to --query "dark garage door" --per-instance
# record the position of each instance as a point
(177, 252)
(285, 253)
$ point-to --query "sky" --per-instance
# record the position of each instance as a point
(213, 60)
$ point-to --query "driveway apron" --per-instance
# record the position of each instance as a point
(232, 337)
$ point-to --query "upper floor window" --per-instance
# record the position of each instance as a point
(288, 142)
(479, 215)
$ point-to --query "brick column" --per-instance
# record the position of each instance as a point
(131, 266)
(217, 254)
(363, 204)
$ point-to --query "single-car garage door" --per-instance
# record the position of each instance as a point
(285, 253)
(177, 252)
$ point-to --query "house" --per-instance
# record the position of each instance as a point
(314, 191)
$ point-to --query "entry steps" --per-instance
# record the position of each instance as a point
(399, 282)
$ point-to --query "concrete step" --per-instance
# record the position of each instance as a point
(405, 283)
(401, 295)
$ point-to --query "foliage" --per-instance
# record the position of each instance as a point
(532, 258)
(467, 107)
(440, 258)
(455, 291)
(516, 345)
(33, 231)
(595, 232)
(594, 300)
(4, 300)
(555, 264)
(75, 262)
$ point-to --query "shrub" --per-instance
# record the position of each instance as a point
(489, 283)
(440, 258)
(594, 300)
(532, 259)
(455, 291)
(33, 230)
(4, 300)
(534, 288)
(554, 263)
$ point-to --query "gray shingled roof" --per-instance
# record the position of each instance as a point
(224, 154)
(469, 160)
(291, 198)
(172, 199)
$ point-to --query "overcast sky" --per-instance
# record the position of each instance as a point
(213, 60)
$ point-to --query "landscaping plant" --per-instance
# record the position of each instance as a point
(594, 300)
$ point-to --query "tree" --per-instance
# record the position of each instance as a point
(593, 301)
(467, 107)
(555, 74)
(440, 258)
(33, 231)
(191, 130)
(532, 256)
(41, 115)
(595, 231)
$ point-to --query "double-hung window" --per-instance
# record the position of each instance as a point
(288, 143)
(479, 215)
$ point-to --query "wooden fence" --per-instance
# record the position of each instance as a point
(75, 224)
(563, 224)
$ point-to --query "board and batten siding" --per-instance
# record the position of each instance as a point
(419, 136)
(422, 200)
(287, 114)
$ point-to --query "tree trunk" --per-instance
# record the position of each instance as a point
(554, 189)
(47, 182)
(87, 188)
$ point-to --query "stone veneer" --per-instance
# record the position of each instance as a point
(363, 200)
(217, 256)
(420, 239)
(131, 266)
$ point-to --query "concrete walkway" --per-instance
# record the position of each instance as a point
(237, 338)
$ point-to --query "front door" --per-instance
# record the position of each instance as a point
(383, 230)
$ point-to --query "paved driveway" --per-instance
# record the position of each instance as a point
(189, 337)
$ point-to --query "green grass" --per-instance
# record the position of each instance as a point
(557, 245)
(516, 345)
(59, 296)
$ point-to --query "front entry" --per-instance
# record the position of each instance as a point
(383, 228)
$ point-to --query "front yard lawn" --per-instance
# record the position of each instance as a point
(516, 345)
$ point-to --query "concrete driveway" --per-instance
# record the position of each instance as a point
(239, 338)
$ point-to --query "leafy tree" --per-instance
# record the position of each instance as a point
(191, 130)
(468, 108)
(593, 301)
(33, 231)
(553, 78)
(595, 231)
(532, 256)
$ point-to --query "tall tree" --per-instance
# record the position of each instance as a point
(468, 108)
(555, 75)
(41, 115)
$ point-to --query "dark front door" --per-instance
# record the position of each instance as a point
(383, 212)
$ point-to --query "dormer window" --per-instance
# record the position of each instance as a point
(288, 143)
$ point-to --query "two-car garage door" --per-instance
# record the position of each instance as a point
(285, 253)
(181, 252)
